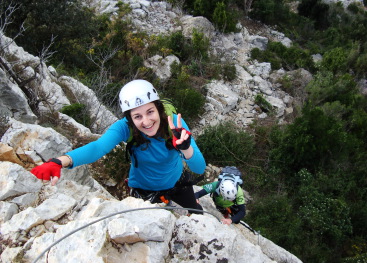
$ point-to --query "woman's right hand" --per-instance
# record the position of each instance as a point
(49, 170)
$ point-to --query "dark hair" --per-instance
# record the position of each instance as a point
(163, 130)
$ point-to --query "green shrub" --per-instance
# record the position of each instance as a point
(278, 48)
(275, 62)
(287, 84)
(224, 19)
(263, 103)
(361, 65)
(296, 57)
(292, 57)
(220, 16)
(280, 56)
(267, 56)
(274, 218)
(196, 68)
(328, 217)
(225, 144)
(200, 45)
(175, 43)
(73, 25)
(78, 112)
(358, 122)
(229, 72)
(178, 44)
(353, 7)
(202, 8)
(362, 258)
(335, 60)
(256, 53)
(213, 70)
(271, 12)
(179, 79)
(195, 48)
(115, 164)
(313, 141)
(216, 11)
(315, 10)
(190, 102)
(326, 87)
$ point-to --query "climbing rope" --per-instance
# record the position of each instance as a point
(117, 213)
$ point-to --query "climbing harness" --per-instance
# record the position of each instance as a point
(164, 196)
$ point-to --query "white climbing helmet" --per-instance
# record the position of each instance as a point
(137, 93)
(228, 190)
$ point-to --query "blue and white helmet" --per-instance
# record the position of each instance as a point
(228, 190)
(137, 93)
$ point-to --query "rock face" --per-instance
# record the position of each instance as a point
(161, 66)
(50, 88)
(35, 215)
(13, 101)
(79, 223)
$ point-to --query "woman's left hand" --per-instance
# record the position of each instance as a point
(181, 136)
(226, 221)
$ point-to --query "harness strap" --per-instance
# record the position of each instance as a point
(164, 196)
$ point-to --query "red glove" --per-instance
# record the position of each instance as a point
(50, 168)
(177, 135)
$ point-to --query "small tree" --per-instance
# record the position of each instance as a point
(226, 144)
(200, 44)
(220, 16)
(335, 60)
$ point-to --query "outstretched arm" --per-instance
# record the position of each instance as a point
(88, 153)
(239, 215)
(201, 193)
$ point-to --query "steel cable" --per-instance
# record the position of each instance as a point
(117, 213)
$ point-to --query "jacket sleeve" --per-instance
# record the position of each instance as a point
(200, 193)
(239, 215)
(91, 152)
(197, 162)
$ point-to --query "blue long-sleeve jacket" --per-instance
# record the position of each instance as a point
(158, 169)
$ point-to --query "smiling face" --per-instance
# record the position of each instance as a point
(146, 119)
